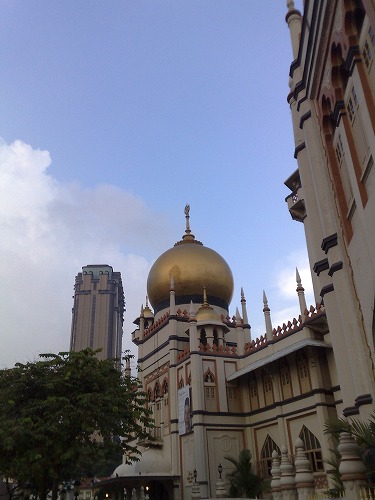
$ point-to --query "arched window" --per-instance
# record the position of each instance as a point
(265, 464)
(165, 387)
(157, 391)
(253, 391)
(303, 372)
(285, 380)
(209, 377)
(203, 337)
(210, 391)
(268, 388)
(149, 395)
(313, 449)
(181, 383)
(165, 392)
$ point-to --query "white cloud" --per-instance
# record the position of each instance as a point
(49, 230)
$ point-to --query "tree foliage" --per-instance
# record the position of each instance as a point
(60, 416)
(243, 480)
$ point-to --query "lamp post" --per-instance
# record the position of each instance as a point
(220, 470)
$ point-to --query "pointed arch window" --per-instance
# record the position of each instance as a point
(210, 391)
(181, 383)
(303, 372)
(268, 388)
(313, 449)
(285, 380)
(265, 464)
(165, 392)
(157, 391)
(253, 392)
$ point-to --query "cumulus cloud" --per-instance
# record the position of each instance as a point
(49, 230)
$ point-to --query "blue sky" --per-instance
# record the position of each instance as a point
(116, 114)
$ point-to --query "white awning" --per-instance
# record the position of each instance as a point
(277, 355)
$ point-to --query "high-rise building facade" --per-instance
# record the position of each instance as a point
(98, 309)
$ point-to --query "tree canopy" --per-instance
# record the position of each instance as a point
(63, 415)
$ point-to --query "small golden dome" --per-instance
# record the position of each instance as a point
(206, 314)
(191, 266)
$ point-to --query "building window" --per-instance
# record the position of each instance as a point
(157, 392)
(181, 383)
(253, 392)
(233, 398)
(149, 395)
(210, 391)
(265, 463)
(268, 388)
(351, 109)
(286, 383)
(339, 150)
(303, 372)
(165, 392)
(313, 449)
(367, 56)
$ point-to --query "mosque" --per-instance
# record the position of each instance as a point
(213, 388)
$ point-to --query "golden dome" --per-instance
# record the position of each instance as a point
(191, 266)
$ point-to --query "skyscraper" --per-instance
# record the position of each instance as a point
(97, 314)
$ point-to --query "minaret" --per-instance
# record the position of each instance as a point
(244, 309)
(301, 295)
(294, 20)
(246, 325)
(267, 317)
(240, 334)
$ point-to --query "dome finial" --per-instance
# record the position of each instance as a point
(187, 216)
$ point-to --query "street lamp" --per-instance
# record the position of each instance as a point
(195, 474)
(220, 470)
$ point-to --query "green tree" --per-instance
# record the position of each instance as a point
(364, 434)
(60, 416)
(243, 481)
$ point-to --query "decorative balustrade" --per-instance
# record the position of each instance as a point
(157, 324)
(286, 329)
(225, 350)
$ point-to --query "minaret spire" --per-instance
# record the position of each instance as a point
(301, 294)
(244, 309)
(267, 316)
